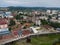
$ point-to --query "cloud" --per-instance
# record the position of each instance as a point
(29, 3)
(12, 2)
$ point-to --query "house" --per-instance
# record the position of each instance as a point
(48, 28)
(54, 11)
(38, 22)
(58, 16)
(4, 8)
(26, 32)
(53, 20)
(43, 17)
(8, 15)
(3, 26)
(58, 29)
(48, 11)
(3, 23)
(4, 31)
(1, 14)
(34, 29)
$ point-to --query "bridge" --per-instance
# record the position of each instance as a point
(22, 37)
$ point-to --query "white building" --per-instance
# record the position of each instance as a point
(25, 17)
(53, 20)
(1, 16)
(20, 13)
(54, 11)
(34, 30)
(43, 17)
(38, 22)
(8, 15)
(3, 26)
(48, 11)
(58, 16)
(53, 17)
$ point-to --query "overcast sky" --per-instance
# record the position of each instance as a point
(30, 3)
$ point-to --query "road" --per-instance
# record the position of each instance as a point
(22, 37)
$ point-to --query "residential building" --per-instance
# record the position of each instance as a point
(8, 15)
(58, 16)
(54, 11)
(3, 26)
(38, 22)
(48, 12)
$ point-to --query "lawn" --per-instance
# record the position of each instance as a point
(40, 40)
(45, 40)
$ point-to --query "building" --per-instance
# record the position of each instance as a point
(48, 27)
(4, 9)
(43, 17)
(58, 29)
(38, 22)
(34, 29)
(1, 14)
(48, 12)
(54, 11)
(8, 15)
(3, 26)
(58, 16)
(53, 20)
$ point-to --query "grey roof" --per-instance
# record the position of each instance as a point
(4, 31)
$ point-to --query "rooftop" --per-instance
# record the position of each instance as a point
(3, 21)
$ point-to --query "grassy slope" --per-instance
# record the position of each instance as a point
(40, 40)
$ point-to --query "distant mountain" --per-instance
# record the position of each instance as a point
(31, 8)
(27, 8)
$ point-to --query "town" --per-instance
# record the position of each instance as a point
(18, 24)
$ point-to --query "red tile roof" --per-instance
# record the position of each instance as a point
(47, 26)
(3, 21)
(26, 32)
(7, 37)
(15, 32)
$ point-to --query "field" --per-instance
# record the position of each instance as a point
(40, 40)
(45, 40)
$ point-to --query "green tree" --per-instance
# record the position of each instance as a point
(18, 17)
(49, 17)
(12, 22)
(44, 22)
(53, 24)
(10, 29)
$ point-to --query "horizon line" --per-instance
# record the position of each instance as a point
(29, 6)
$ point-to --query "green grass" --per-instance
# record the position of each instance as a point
(45, 40)
(41, 40)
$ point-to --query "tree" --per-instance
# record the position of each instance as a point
(24, 27)
(18, 17)
(12, 22)
(49, 17)
(44, 22)
(55, 25)
(9, 28)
